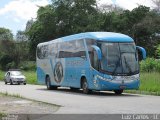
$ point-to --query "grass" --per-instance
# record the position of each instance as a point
(2, 73)
(149, 84)
(11, 95)
(2, 115)
(31, 76)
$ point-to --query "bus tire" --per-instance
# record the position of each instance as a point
(74, 89)
(85, 86)
(118, 92)
(48, 84)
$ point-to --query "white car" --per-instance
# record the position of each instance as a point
(14, 77)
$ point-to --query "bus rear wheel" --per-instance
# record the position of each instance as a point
(48, 84)
(118, 92)
(85, 86)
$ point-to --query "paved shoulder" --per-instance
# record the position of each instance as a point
(77, 102)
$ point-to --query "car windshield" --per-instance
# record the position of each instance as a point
(119, 58)
(16, 73)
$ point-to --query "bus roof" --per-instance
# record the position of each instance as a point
(100, 36)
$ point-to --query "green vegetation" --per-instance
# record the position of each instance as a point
(2, 73)
(158, 51)
(5, 34)
(150, 81)
(12, 53)
(13, 95)
(28, 69)
(31, 77)
(66, 17)
(149, 77)
(2, 115)
(150, 65)
(149, 84)
(28, 65)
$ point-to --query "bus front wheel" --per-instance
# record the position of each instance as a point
(48, 84)
(118, 92)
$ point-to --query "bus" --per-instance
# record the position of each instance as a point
(99, 61)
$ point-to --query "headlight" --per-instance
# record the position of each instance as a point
(103, 78)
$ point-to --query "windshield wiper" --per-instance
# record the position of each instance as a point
(117, 64)
(127, 65)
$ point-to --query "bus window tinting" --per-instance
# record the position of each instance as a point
(72, 49)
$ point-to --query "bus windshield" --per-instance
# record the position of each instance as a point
(119, 58)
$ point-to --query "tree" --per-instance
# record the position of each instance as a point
(63, 18)
(12, 52)
(142, 24)
(6, 52)
(21, 36)
(29, 25)
(5, 34)
(145, 32)
(158, 51)
(43, 29)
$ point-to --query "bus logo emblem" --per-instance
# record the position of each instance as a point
(58, 72)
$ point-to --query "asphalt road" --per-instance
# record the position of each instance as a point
(95, 103)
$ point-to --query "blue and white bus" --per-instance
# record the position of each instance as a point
(101, 61)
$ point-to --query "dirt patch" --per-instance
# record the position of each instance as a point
(13, 105)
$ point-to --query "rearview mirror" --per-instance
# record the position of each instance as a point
(98, 51)
(143, 52)
(97, 56)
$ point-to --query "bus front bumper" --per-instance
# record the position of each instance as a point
(117, 85)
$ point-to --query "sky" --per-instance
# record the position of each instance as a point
(14, 14)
